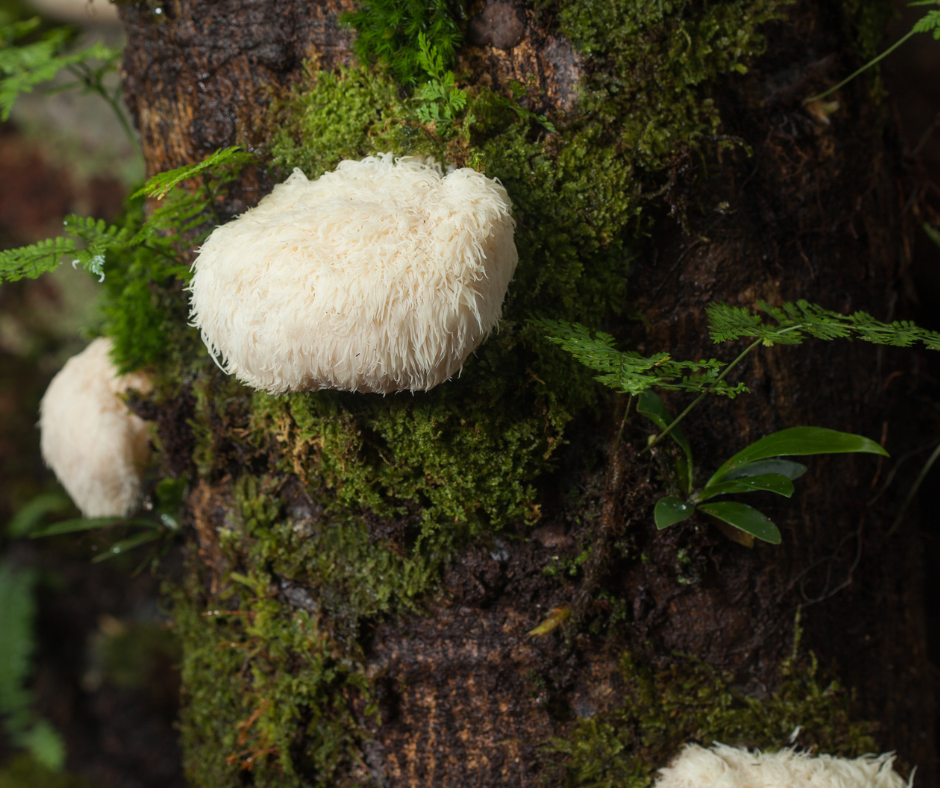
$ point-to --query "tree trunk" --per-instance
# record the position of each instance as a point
(364, 573)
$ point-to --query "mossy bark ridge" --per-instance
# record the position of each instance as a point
(363, 571)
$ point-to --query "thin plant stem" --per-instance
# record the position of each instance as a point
(623, 421)
(913, 491)
(93, 83)
(704, 394)
(867, 66)
(126, 126)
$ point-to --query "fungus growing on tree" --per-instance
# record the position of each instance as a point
(722, 766)
(94, 444)
(381, 276)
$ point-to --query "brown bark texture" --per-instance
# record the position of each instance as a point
(811, 213)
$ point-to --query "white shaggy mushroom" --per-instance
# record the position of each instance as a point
(722, 766)
(94, 444)
(381, 276)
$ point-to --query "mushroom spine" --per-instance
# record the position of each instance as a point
(721, 766)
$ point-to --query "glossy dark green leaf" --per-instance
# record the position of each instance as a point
(745, 517)
(792, 470)
(650, 405)
(670, 511)
(797, 441)
(119, 548)
(769, 482)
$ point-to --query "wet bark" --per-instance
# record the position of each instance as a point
(811, 214)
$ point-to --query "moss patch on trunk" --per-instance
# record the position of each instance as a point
(689, 701)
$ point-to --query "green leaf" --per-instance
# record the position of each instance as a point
(670, 511)
(29, 516)
(769, 482)
(792, 470)
(119, 548)
(650, 405)
(932, 234)
(45, 744)
(799, 441)
(89, 524)
(743, 517)
(160, 185)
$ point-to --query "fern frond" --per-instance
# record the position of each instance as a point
(808, 318)
(796, 321)
(930, 22)
(630, 373)
(727, 323)
(161, 184)
(30, 262)
(25, 67)
(11, 31)
(99, 237)
(177, 219)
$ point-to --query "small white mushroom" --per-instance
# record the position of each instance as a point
(722, 766)
(94, 444)
(381, 276)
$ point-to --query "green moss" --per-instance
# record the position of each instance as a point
(387, 33)
(145, 313)
(691, 702)
(266, 689)
(333, 118)
(407, 460)
(650, 59)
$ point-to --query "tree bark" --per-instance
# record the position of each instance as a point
(465, 696)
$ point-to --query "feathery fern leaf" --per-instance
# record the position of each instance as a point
(29, 262)
(796, 321)
(930, 22)
(161, 184)
(24, 67)
(630, 373)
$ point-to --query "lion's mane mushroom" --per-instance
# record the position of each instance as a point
(381, 276)
(94, 444)
(722, 766)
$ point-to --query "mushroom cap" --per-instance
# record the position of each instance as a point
(381, 276)
(721, 766)
(94, 444)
